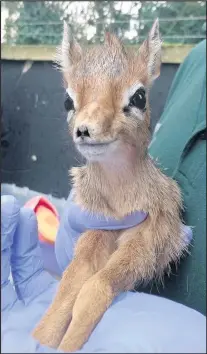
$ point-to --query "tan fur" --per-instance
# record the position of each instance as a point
(105, 262)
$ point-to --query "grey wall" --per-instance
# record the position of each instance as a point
(39, 151)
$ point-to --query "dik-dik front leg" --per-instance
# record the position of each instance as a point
(91, 254)
(133, 260)
(137, 258)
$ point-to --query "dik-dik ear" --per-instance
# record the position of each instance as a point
(150, 51)
(70, 51)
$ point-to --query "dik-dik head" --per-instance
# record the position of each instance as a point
(108, 93)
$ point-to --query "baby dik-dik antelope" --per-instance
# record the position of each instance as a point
(109, 118)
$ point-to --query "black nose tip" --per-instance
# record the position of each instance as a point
(83, 132)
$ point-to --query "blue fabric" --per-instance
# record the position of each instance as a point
(134, 323)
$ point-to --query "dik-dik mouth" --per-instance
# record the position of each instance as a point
(93, 149)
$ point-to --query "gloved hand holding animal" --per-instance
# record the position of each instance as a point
(138, 231)
(135, 322)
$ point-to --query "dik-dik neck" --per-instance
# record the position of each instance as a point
(116, 188)
(118, 176)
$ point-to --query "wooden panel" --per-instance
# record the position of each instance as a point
(174, 54)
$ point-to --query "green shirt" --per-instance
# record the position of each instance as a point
(179, 148)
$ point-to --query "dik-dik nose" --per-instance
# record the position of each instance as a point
(82, 132)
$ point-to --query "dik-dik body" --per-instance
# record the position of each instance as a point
(109, 117)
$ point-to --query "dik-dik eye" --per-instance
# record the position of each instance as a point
(138, 99)
(69, 105)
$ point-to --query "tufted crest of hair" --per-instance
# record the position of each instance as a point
(112, 59)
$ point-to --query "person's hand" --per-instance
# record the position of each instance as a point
(24, 302)
(134, 323)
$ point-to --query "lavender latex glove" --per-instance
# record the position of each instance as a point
(134, 322)
(26, 289)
